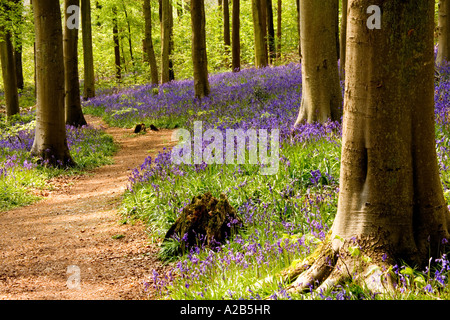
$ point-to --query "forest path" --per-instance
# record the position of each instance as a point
(76, 225)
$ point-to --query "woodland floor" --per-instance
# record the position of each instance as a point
(76, 225)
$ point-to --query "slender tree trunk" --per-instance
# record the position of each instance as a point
(391, 204)
(236, 44)
(117, 58)
(270, 32)
(279, 6)
(9, 73)
(72, 100)
(149, 52)
(199, 57)
(226, 30)
(259, 34)
(171, 43)
(50, 144)
(19, 66)
(88, 53)
(343, 39)
(130, 44)
(443, 53)
(321, 95)
(165, 41)
(297, 2)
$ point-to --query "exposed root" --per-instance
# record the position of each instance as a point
(333, 267)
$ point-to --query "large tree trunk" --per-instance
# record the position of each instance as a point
(236, 38)
(149, 52)
(88, 53)
(443, 53)
(343, 38)
(50, 144)
(199, 58)
(9, 73)
(165, 41)
(259, 25)
(72, 101)
(391, 205)
(321, 95)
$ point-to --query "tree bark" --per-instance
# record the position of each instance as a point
(443, 53)
(236, 38)
(72, 100)
(391, 204)
(117, 60)
(279, 9)
(259, 34)
(130, 44)
(297, 2)
(165, 41)
(226, 30)
(270, 32)
(9, 73)
(50, 144)
(199, 57)
(149, 52)
(343, 40)
(88, 53)
(321, 91)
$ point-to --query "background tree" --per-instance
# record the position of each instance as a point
(50, 142)
(391, 204)
(18, 23)
(259, 27)
(279, 32)
(149, 52)
(236, 39)
(199, 57)
(343, 38)
(270, 32)
(72, 101)
(226, 29)
(443, 53)
(88, 55)
(165, 40)
(117, 59)
(9, 72)
(321, 91)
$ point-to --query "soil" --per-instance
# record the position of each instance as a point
(78, 223)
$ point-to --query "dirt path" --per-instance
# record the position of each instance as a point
(76, 225)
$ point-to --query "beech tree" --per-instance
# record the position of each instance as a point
(9, 72)
(72, 101)
(199, 57)
(259, 27)
(149, 52)
(88, 55)
(236, 38)
(50, 143)
(443, 53)
(321, 91)
(165, 40)
(117, 59)
(391, 205)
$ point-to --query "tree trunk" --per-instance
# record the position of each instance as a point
(130, 44)
(165, 41)
(88, 53)
(72, 101)
(279, 8)
(235, 35)
(226, 30)
(443, 53)
(343, 40)
(321, 95)
(259, 34)
(199, 58)
(391, 204)
(50, 144)
(270, 32)
(9, 73)
(149, 52)
(19, 66)
(297, 2)
(116, 46)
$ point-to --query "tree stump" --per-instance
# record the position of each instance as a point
(206, 221)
